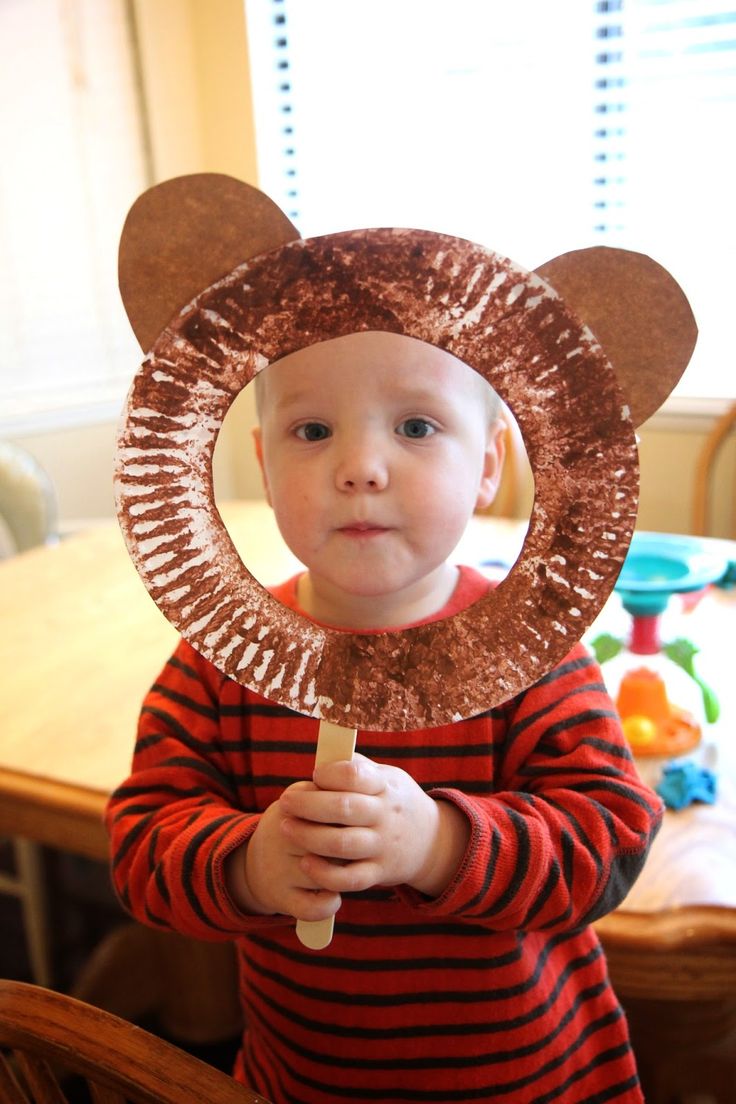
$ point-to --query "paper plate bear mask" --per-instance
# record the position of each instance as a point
(218, 284)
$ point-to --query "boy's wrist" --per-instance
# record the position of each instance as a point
(445, 853)
(235, 872)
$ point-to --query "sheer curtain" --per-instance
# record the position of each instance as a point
(74, 159)
(532, 127)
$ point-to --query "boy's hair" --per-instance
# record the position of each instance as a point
(489, 396)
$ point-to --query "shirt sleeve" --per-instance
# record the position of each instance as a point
(567, 830)
(176, 818)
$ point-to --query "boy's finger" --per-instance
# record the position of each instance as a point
(357, 775)
(310, 904)
(330, 842)
(331, 807)
(297, 787)
(350, 877)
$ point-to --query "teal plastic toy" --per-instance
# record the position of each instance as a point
(658, 566)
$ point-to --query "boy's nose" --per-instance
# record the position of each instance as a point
(361, 471)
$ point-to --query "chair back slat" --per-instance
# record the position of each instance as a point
(10, 1090)
(39, 1078)
(708, 487)
(101, 1094)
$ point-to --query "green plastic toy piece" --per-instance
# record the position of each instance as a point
(683, 652)
(680, 651)
(606, 647)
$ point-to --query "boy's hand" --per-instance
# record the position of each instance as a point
(363, 824)
(265, 875)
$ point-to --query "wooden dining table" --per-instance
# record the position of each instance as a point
(82, 641)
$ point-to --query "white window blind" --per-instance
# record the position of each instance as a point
(667, 112)
(73, 162)
(532, 127)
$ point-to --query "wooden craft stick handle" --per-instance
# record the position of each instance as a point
(333, 743)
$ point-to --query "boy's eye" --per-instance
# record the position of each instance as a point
(416, 428)
(312, 431)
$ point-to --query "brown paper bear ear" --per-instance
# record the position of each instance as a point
(183, 235)
(638, 313)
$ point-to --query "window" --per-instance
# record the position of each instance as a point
(74, 160)
(533, 127)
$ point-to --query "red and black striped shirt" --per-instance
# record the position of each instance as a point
(495, 991)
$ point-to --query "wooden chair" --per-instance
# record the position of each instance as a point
(27, 498)
(706, 475)
(28, 513)
(48, 1035)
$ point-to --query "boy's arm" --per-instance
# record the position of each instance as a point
(568, 829)
(179, 815)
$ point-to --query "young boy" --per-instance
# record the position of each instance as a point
(467, 861)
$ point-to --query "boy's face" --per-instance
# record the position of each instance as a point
(375, 450)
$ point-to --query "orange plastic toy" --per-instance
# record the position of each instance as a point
(652, 725)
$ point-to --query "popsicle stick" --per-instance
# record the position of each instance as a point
(333, 743)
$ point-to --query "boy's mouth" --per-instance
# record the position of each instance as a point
(362, 529)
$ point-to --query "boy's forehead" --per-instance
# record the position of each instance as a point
(408, 363)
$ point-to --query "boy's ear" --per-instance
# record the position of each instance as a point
(492, 465)
(637, 312)
(258, 443)
(183, 235)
